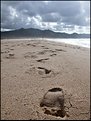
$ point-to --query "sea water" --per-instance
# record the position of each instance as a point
(85, 42)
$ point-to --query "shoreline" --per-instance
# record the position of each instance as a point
(46, 39)
(30, 68)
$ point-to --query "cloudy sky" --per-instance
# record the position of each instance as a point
(60, 16)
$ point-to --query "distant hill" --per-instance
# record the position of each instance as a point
(31, 32)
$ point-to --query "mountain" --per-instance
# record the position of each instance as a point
(31, 32)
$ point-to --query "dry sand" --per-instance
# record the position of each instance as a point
(30, 68)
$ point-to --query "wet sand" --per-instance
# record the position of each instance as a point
(30, 68)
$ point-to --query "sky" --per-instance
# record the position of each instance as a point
(58, 16)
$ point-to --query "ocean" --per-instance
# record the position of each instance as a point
(80, 42)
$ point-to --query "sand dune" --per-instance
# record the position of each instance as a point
(30, 68)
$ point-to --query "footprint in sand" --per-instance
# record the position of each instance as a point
(60, 50)
(42, 60)
(33, 45)
(46, 71)
(30, 55)
(33, 56)
(13, 45)
(52, 102)
(6, 51)
(53, 54)
(46, 48)
(11, 48)
(42, 46)
(53, 51)
(39, 70)
(42, 71)
(28, 44)
(10, 56)
(42, 52)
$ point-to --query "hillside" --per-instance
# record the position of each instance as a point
(31, 32)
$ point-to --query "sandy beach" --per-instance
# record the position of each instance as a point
(30, 68)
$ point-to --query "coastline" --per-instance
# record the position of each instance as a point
(71, 41)
(23, 83)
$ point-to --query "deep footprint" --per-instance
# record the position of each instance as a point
(53, 54)
(55, 113)
(40, 60)
(10, 56)
(60, 50)
(46, 70)
(53, 102)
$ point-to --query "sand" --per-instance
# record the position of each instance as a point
(30, 68)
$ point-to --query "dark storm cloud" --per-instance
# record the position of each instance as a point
(18, 14)
(51, 17)
(77, 20)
